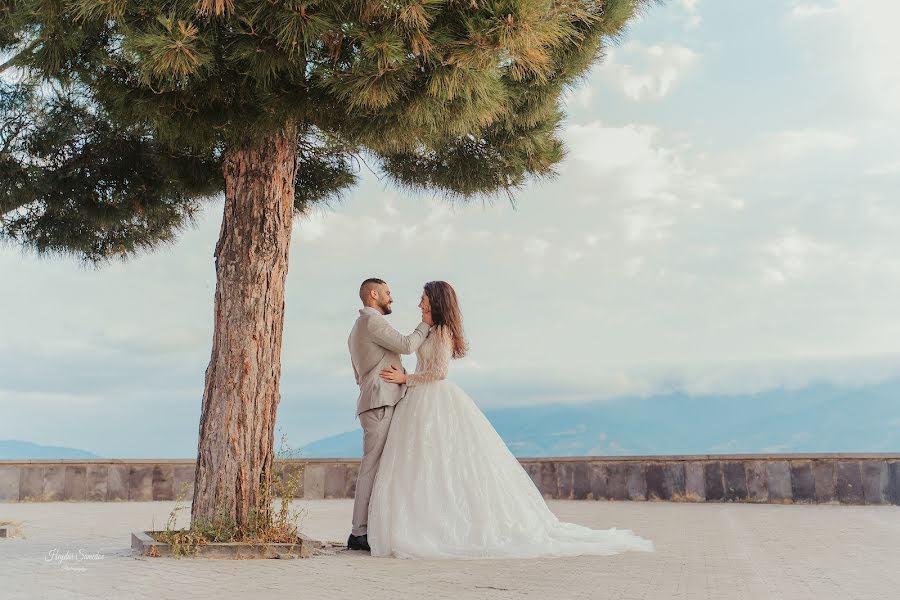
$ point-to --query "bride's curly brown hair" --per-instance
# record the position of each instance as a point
(445, 314)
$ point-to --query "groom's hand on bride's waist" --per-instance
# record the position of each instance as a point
(393, 375)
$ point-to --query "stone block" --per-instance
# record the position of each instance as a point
(894, 482)
(163, 482)
(875, 481)
(336, 481)
(617, 481)
(314, 481)
(140, 483)
(54, 483)
(534, 471)
(635, 486)
(675, 480)
(581, 481)
(599, 481)
(549, 485)
(565, 477)
(848, 482)
(352, 476)
(655, 476)
(291, 474)
(823, 478)
(803, 485)
(75, 483)
(95, 483)
(757, 481)
(117, 482)
(9, 483)
(694, 482)
(734, 479)
(778, 473)
(183, 481)
(712, 478)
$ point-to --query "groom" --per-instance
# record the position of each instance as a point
(375, 345)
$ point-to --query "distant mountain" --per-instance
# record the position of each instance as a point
(818, 418)
(17, 449)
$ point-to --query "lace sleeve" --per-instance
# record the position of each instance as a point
(436, 365)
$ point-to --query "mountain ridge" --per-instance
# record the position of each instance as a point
(816, 418)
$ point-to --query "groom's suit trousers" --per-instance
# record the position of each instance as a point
(375, 424)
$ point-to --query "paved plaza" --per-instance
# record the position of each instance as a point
(708, 551)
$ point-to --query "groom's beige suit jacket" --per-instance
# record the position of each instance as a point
(375, 345)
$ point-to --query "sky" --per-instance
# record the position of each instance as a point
(726, 221)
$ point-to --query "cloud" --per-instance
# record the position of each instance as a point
(801, 142)
(643, 72)
(869, 46)
(679, 248)
(790, 255)
(692, 20)
(890, 168)
(806, 9)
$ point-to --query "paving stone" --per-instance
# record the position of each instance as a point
(803, 486)
(54, 484)
(599, 481)
(778, 473)
(636, 487)
(712, 475)
(695, 482)
(581, 481)
(75, 483)
(823, 476)
(163, 482)
(714, 552)
(140, 482)
(757, 481)
(848, 478)
(875, 481)
(9, 483)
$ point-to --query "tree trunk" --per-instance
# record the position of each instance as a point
(235, 452)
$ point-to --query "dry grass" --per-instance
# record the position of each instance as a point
(267, 524)
(13, 529)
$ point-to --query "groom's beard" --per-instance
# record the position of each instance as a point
(385, 309)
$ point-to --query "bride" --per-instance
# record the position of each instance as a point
(447, 486)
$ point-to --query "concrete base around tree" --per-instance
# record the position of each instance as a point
(757, 478)
(722, 551)
(144, 544)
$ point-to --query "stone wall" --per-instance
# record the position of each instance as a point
(785, 478)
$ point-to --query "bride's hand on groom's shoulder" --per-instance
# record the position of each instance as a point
(393, 375)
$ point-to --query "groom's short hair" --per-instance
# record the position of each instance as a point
(367, 286)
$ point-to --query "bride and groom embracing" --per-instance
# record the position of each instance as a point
(436, 480)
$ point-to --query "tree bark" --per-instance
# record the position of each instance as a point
(235, 452)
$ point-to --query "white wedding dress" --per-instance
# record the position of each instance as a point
(448, 487)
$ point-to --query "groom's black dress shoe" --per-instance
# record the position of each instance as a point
(358, 542)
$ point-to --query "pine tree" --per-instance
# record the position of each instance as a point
(119, 118)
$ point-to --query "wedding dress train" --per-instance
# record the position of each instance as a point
(448, 487)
